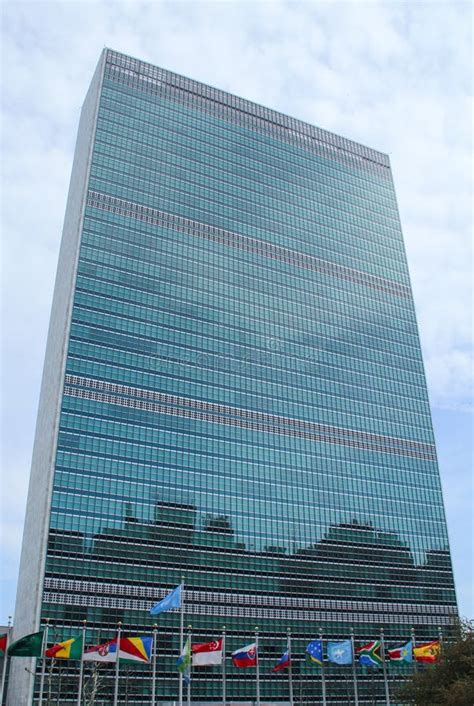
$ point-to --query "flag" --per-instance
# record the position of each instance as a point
(401, 653)
(369, 654)
(27, 646)
(315, 652)
(135, 649)
(427, 652)
(283, 662)
(207, 653)
(245, 656)
(106, 652)
(67, 649)
(340, 652)
(172, 600)
(184, 662)
(3, 644)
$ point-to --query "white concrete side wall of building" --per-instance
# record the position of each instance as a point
(35, 533)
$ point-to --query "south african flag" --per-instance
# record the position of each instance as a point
(369, 654)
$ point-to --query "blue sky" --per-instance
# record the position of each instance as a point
(395, 76)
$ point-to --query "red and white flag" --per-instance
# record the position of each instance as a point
(245, 656)
(107, 652)
(207, 653)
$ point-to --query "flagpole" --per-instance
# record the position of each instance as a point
(44, 645)
(384, 666)
(290, 675)
(181, 640)
(440, 637)
(257, 665)
(223, 668)
(81, 668)
(413, 645)
(4, 671)
(117, 664)
(190, 635)
(153, 666)
(323, 676)
(354, 674)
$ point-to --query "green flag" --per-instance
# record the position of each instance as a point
(184, 661)
(28, 646)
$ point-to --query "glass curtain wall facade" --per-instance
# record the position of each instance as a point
(243, 400)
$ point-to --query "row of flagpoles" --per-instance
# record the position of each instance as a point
(142, 649)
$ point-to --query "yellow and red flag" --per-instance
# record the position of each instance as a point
(428, 652)
(68, 649)
(135, 649)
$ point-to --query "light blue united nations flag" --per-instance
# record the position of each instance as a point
(172, 600)
(340, 652)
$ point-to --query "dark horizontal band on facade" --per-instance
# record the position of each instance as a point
(231, 598)
(141, 606)
(161, 403)
(439, 579)
(225, 609)
(157, 81)
(129, 209)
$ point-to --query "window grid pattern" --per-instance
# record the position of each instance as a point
(248, 419)
(161, 82)
(251, 245)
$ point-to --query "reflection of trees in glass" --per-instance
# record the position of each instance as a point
(274, 549)
(218, 523)
(352, 560)
(129, 516)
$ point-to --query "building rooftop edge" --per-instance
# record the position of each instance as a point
(258, 110)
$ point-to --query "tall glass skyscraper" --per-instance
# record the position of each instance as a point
(233, 394)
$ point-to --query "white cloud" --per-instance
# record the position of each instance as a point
(393, 76)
